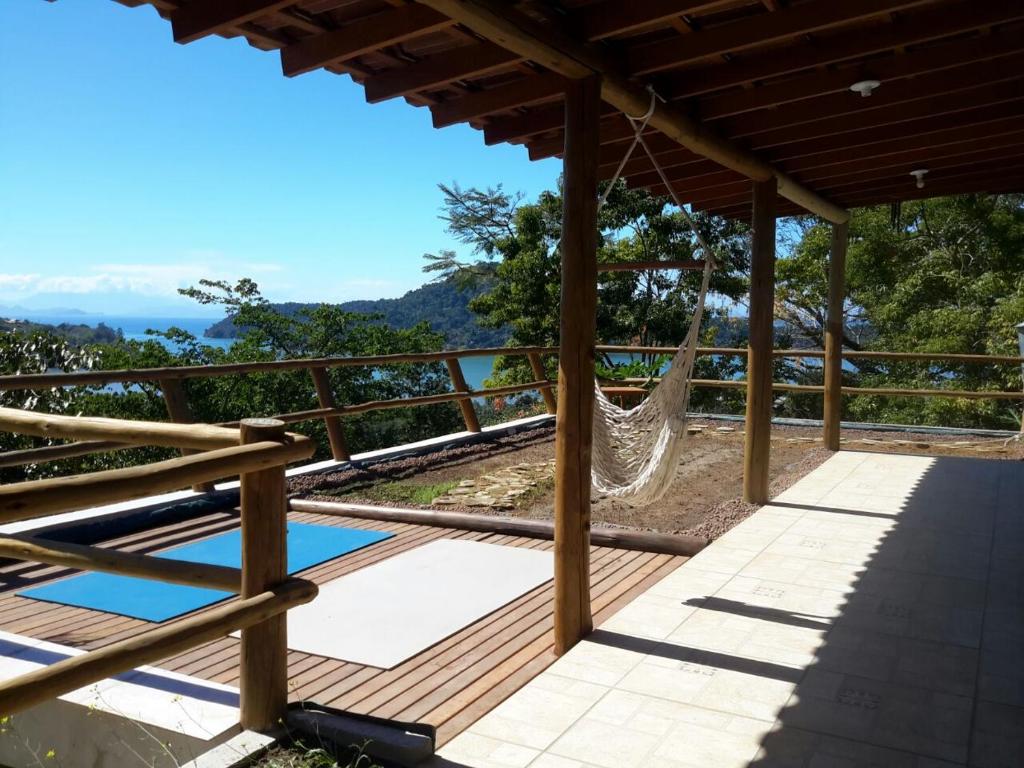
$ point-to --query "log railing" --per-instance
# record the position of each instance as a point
(333, 413)
(258, 453)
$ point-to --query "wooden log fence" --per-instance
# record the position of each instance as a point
(619, 538)
(259, 453)
(333, 414)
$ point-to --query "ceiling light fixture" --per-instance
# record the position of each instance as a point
(919, 175)
(865, 87)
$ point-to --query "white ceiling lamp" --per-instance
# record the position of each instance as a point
(865, 87)
(919, 175)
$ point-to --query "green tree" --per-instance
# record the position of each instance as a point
(945, 275)
(517, 244)
(313, 332)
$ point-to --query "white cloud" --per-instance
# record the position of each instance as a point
(142, 279)
(17, 282)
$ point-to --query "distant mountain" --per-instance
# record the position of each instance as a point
(19, 311)
(442, 304)
(76, 333)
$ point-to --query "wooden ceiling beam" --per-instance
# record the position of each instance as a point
(902, 118)
(361, 37)
(985, 158)
(536, 121)
(207, 17)
(916, 131)
(850, 131)
(741, 211)
(967, 177)
(921, 156)
(436, 71)
(949, 137)
(760, 30)
(530, 90)
(613, 17)
(1007, 166)
(907, 29)
(994, 186)
(925, 155)
(551, 48)
(828, 90)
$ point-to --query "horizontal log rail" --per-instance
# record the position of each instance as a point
(57, 452)
(136, 375)
(780, 386)
(258, 452)
(93, 434)
(64, 676)
(38, 498)
(87, 558)
(196, 436)
(619, 538)
(122, 376)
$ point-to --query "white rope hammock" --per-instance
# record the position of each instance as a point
(636, 451)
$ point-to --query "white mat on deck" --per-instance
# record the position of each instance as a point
(383, 614)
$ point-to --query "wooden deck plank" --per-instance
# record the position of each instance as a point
(449, 685)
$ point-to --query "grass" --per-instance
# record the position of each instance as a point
(300, 756)
(404, 493)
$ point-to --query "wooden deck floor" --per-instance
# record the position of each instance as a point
(449, 685)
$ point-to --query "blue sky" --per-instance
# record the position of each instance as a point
(133, 166)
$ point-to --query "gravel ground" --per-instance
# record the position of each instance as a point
(704, 500)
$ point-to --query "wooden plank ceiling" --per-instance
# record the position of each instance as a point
(772, 76)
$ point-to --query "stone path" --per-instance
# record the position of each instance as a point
(871, 615)
(500, 490)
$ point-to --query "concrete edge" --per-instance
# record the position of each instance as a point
(394, 742)
(238, 751)
(867, 426)
(124, 518)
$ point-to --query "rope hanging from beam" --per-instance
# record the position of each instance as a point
(636, 451)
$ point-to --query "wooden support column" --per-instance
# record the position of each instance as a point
(460, 385)
(335, 429)
(757, 445)
(539, 374)
(264, 651)
(178, 409)
(834, 336)
(574, 421)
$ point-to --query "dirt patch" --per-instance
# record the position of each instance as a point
(705, 499)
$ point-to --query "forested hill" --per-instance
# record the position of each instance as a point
(442, 304)
(77, 333)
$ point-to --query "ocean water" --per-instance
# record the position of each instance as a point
(134, 328)
(475, 369)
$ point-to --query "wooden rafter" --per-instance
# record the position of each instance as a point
(613, 17)
(527, 91)
(360, 37)
(198, 19)
(561, 53)
(836, 82)
(908, 29)
(760, 30)
(435, 71)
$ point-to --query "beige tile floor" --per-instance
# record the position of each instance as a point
(871, 615)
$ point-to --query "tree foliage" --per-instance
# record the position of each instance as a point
(314, 332)
(947, 275)
(519, 243)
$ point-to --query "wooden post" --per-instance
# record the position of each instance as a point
(834, 336)
(460, 385)
(539, 374)
(757, 445)
(264, 652)
(577, 326)
(178, 409)
(335, 429)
